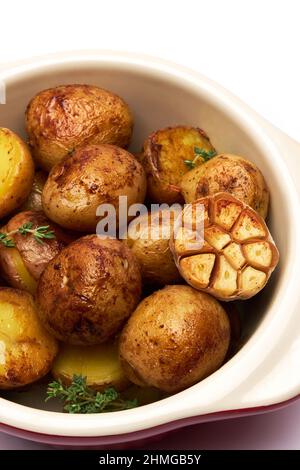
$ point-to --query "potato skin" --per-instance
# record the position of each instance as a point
(34, 256)
(163, 156)
(228, 173)
(60, 119)
(92, 175)
(89, 290)
(26, 348)
(34, 200)
(100, 365)
(174, 339)
(152, 249)
(16, 171)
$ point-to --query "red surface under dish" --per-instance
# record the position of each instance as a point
(138, 438)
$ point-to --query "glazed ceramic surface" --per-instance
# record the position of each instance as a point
(265, 371)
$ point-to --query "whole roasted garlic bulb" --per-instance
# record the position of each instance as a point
(238, 254)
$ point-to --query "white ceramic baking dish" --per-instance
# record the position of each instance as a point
(265, 372)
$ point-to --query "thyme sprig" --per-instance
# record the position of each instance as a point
(205, 155)
(39, 233)
(79, 398)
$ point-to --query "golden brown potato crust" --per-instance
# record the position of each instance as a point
(149, 241)
(60, 119)
(175, 338)
(16, 171)
(93, 175)
(88, 291)
(34, 255)
(231, 174)
(26, 348)
(163, 156)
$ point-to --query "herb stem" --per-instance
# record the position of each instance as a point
(39, 233)
(200, 152)
(78, 397)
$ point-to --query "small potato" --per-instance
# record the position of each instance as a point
(88, 291)
(93, 175)
(174, 339)
(16, 171)
(26, 349)
(61, 119)
(34, 200)
(148, 238)
(164, 157)
(231, 174)
(23, 264)
(100, 365)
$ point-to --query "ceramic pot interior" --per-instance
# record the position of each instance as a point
(157, 102)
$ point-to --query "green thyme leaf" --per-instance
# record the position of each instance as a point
(205, 155)
(40, 234)
(79, 398)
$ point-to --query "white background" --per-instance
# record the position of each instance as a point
(252, 47)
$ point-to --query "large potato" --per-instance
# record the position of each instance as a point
(93, 175)
(89, 290)
(175, 338)
(16, 171)
(26, 348)
(148, 238)
(34, 200)
(231, 174)
(61, 119)
(165, 156)
(23, 264)
(100, 365)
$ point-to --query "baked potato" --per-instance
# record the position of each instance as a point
(100, 365)
(26, 348)
(231, 174)
(91, 176)
(238, 254)
(60, 119)
(148, 238)
(167, 155)
(34, 200)
(16, 171)
(174, 339)
(23, 263)
(89, 290)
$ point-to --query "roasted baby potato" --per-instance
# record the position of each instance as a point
(231, 174)
(89, 290)
(92, 175)
(100, 365)
(148, 238)
(16, 171)
(26, 348)
(165, 155)
(238, 253)
(61, 119)
(34, 200)
(175, 338)
(23, 263)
